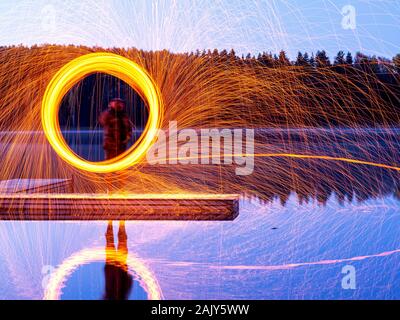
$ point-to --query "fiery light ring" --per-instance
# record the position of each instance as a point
(57, 280)
(116, 66)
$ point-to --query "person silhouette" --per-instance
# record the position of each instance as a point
(117, 133)
(118, 281)
(117, 128)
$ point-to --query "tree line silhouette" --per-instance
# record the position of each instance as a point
(314, 89)
(318, 60)
(371, 95)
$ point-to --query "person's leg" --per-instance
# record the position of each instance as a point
(109, 179)
(126, 280)
(122, 245)
(122, 237)
(110, 237)
(122, 175)
(110, 273)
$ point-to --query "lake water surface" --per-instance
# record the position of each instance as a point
(285, 244)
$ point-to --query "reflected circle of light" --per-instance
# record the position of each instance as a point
(57, 279)
(119, 67)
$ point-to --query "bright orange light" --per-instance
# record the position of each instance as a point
(116, 66)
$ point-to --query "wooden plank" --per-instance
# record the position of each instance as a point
(70, 206)
(36, 186)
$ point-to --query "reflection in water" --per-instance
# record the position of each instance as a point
(313, 218)
(279, 176)
(227, 260)
(121, 270)
(118, 280)
(307, 178)
(320, 180)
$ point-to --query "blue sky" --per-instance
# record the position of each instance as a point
(185, 25)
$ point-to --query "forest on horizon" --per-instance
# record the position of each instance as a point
(312, 90)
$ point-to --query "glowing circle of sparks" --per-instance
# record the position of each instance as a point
(119, 67)
(142, 273)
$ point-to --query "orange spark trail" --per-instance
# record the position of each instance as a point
(293, 155)
(203, 91)
(329, 158)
